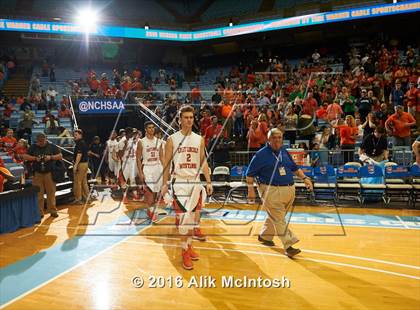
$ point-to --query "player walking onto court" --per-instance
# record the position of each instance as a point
(150, 168)
(113, 162)
(127, 151)
(185, 150)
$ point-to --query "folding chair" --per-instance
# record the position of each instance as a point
(324, 183)
(396, 177)
(371, 183)
(300, 187)
(348, 182)
(238, 187)
(220, 181)
(415, 182)
(402, 155)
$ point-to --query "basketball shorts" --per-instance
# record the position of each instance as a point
(129, 170)
(188, 196)
(114, 166)
(153, 176)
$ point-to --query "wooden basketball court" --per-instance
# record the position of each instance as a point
(95, 257)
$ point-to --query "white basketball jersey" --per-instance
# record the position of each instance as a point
(151, 150)
(186, 154)
(130, 150)
(112, 147)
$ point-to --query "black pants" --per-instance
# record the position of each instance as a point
(348, 152)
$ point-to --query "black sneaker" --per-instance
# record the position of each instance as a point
(76, 202)
(291, 251)
(54, 214)
(265, 242)
(40, 219)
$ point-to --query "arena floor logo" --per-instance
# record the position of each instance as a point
(101, 106)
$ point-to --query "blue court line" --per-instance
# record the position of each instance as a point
(25, 275)
(380, 221)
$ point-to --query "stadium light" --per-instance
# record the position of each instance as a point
(87, 19)
(146, 26)
(230, 22)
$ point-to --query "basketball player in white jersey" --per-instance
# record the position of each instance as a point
(111, 152)
(185, 150)
(127, 150)
(150, 168)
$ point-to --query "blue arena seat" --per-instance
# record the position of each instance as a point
(348, 182)
(396, 182)
(372, 185)
(324, 182)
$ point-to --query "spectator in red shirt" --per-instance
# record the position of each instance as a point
(64, 112)
(8, 110)
(399, 126)
(263, 128)
(94, 85)
(310, 105)
(205, 122)
(136, 86)
(213, 131)
(411, 96)
(254, 138)
(195, 95)
(348, 134)
(20, 100)
(65, 101)
(136, 73)
(334, 111)
(321, 113)
(19, 150)
(104, 84)
(126, 84)
(8, 142)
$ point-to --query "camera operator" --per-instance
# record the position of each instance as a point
(220, 151)
(41, 155)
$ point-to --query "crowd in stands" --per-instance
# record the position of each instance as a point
(372, 93)
(375, 82)
(7, 66)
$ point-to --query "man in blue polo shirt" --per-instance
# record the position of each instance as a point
(273, 168)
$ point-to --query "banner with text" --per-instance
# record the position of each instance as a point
(213, 33)
(100, 106)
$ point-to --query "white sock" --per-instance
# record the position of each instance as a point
(184, 245)
(189, 241)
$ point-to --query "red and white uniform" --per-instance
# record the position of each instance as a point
(186, 155)
(128, 161)
(113, 164)
(187, 190)
(152, 167)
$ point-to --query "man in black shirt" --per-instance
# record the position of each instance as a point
(382, 115)
(41, 155)
(364, 104)
(375, 145)
(80, 169)
(96, 152)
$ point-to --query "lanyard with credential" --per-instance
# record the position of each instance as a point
(279, 160)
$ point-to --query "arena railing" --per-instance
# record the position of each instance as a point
(333, 157)
(73, 115)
